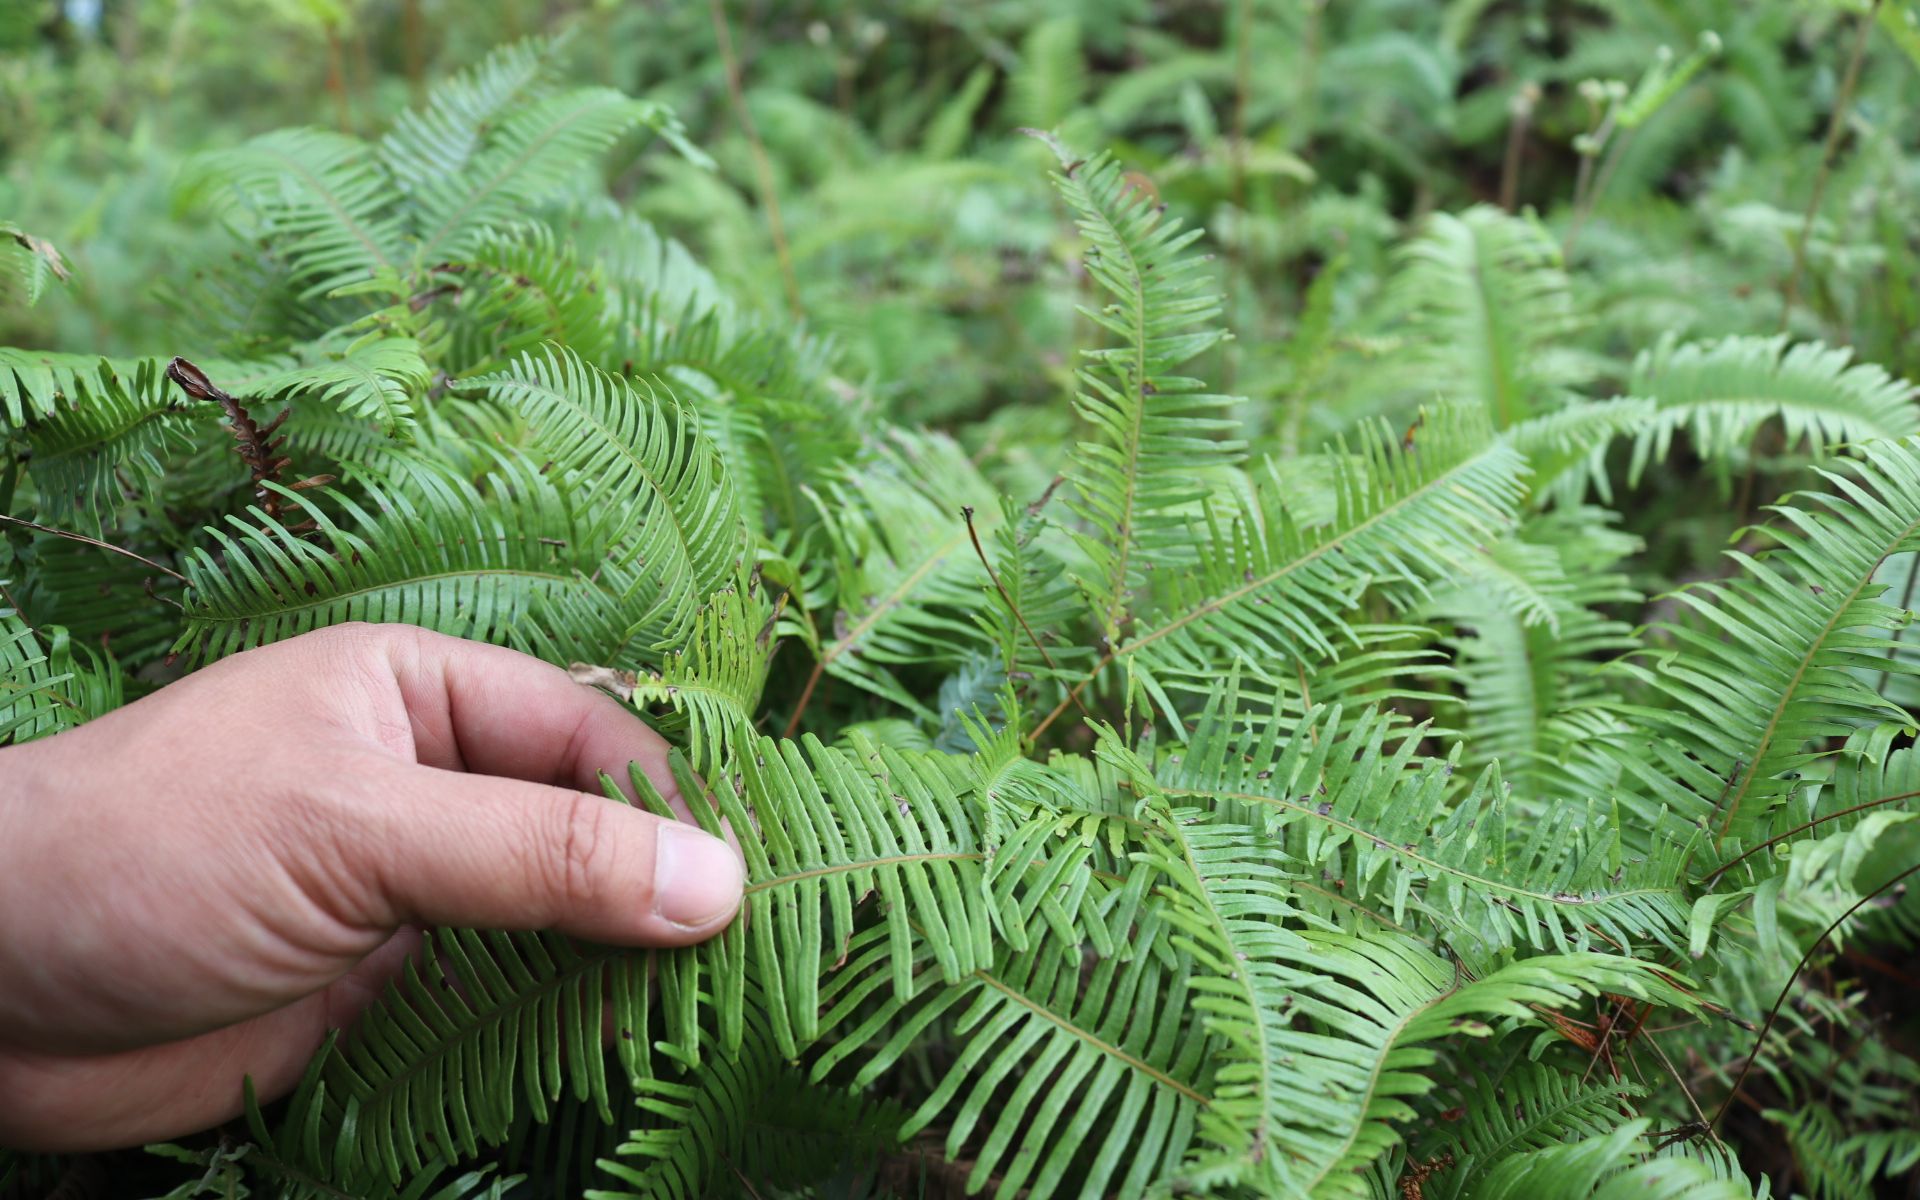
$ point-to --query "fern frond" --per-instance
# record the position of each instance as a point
(102, 599)
(522, 286)
(834, 826)
(426, 547)
(83, 418)
(1380, 1000)
(1487, 294)
(1271, 592)
(323, 199)
(1530, 639)
(642, 476)
(714, 680)
(33, 697)
(1609, 1167)
(481, 1024)
(1093, 1074)
(372, 377)
(905, 576)
(439, 140)
(1567, 448)
(1720, 392)
(529, 157)
(1155, 430)
(742, 1123)
(1343, 798)
(28, 264)
(1529, 1107)
(1774, 664)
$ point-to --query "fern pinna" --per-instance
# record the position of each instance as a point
(1224, 819)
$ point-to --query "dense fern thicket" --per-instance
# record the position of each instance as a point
(1288, 599)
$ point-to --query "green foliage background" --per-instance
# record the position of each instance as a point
(1353, 645)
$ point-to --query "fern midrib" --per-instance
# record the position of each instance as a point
(348, 221)
(865, 864)
(1393, 1032)
(1101, 1044)
(640, 467)
(892, 600)
(1314, 555)
(1561, 900)
(1793, 684)
(546, 138)
(322, 602)
(1136, 393)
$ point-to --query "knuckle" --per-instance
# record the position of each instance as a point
(583, 851)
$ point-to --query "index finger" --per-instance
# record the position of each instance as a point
(493, 711)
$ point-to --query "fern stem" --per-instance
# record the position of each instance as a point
(1073, 696)
(1521, 111)
(1098, 1043)
(337, 78)
(1841, 105)
(762, 166)
(966, 512)
(96, 542)
(1780, 1001)
(1713, 876)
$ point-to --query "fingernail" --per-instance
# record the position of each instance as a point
(696, 878)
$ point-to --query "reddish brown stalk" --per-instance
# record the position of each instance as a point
(258, 446)
(95, 542)
(1786, 989)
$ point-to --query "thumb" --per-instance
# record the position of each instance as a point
(447, 848)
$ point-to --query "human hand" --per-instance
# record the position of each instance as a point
(199, 886)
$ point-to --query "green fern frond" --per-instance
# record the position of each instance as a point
(1093, 1074)
(906, 578)
(1155, 429)
(1487, 295)
(1611, 1166)
(84, 418)
(33, 699)
(440, 139)
(372, 377)
(1567, 448)
(1271, 592)
(425, 547)
(1720, 392)
(1529, 1107)
(1775, 662)
(530, 156)
(324, 201)
(832, 827)
(1343, 798)
(1377, 1002)
(27, 265)
(522, 286)
(483, 1023)
(715, 679)
(643, 477)
(1530, 637)
(743, 1123)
